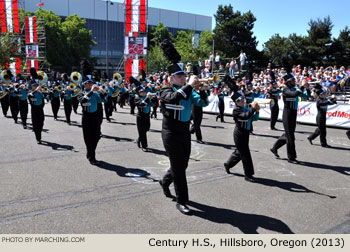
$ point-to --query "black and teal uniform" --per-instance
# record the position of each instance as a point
(14, 108)
(55, 102)
(176, 106)
(143, 119)
(23, 105)
(321, 118)
(291, 99)
(243, 118)
(197, 116)
(91, 121)
(5, 101)
(67, 103)
(36, 100)
(274, 94)
(221, 96)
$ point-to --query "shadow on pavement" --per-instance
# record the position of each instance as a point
(247, 223)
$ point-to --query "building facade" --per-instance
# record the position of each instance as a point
(95, 13)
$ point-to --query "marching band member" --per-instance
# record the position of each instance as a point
(14, 101)
(4, 98)
(55, 99)
(23, 104)
(90, 99)
(36, 100)
(291, 96)
(274, 93)
(221, 95)
(176, 104)
(243, 117)
(67, 103)
(322, 106)
(143, 103)
(108, 105)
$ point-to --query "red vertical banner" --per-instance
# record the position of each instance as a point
(128, 16)
(3, 16)
(15, 16)
(142, 15)
(18, 65)
(37, 65)
(128, 69)
(27, 30)
(35, 34)
(142, 65)
(28, 66)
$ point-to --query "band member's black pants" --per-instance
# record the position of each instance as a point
(289, 124)
(91, 132)
(197, 116)
(55, 105)
(221, 110)
(14, 107)
(5, 103)
(274, 115)
(178, 148)
(132, 105)
(321, 129)
(75, 104)
(108, 108)
(241, 139)
(23, 110)
(37, 120)
(67, 109)
(143, 125)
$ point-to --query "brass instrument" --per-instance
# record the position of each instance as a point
(116, 91)
(215, 79)
(71, 86)
(42, 77)
(45, 89)
(76, 91)
(5, 77)
(59, 88)
(117, 78)
(76, 78)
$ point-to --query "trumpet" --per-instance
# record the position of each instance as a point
(45, 89)
(76, 78)
(215, 79)
(42, 77)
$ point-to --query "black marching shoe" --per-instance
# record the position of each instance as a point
(274, 152)
(326, 146)
(145, 149)
(166, 190)
(274, 128)
(227, 169)
(250, 179)
(183, 209)
(200, 142)
(310, 141)
(93, 161)
(293, 161)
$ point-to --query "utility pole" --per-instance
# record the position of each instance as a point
(107, 2)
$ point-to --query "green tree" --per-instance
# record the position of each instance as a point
(233, 32)
(340, 49)
(319, 40)
(67, 41)
(8, 49)
(276, 49)
(183, 44)
(158, 34)
(156, 61)
(78, 39)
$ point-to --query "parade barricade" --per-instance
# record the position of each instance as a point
(338, 115)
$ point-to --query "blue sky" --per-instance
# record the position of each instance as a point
(273, 16)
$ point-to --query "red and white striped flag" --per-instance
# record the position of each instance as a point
(32, 63)
(133, 67)
(135, 18)
(9, 16)
(31, 30)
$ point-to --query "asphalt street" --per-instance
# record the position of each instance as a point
(52, 188)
